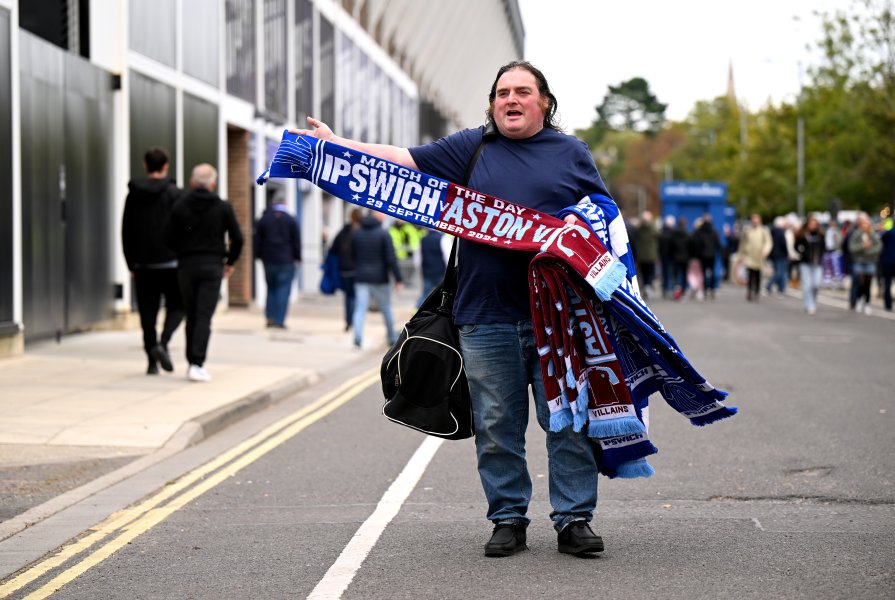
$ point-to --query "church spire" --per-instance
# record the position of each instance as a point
(731, 93)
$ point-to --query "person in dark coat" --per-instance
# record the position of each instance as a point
(434, 252)
(680, 256)
(277, 243)
(779, 257)
(342, 246)
(374, 259)
(152, 264)
(887, 264)
(707, 246)
(667, 264)
(198, 232)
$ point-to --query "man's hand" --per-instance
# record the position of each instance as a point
(228, 270)
(319, 130)
(572, 219)
(398, 286)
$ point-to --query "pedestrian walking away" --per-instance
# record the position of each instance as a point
(779, 257)
(374, 259)
(204, 234)
(755, 246)
(277, 243)
(646, 249)
(887, 264)
(152, 264)
(347, 270)
(864, 248)
(707, 246)
(532, 162)
(810, 246)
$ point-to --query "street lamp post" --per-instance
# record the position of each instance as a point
(800, 152)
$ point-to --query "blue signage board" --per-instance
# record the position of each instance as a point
(691, 200)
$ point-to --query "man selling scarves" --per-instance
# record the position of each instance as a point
(533, 163)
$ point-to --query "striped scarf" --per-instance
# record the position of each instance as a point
(604, 352)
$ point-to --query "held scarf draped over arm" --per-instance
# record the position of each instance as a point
(603, 352)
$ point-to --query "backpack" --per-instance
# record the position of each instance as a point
(422, 374)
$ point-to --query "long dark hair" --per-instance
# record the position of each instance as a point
(543, 90)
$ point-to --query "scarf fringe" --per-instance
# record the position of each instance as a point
(610, 281)
(723, 413)
(560, 419)
(634, 468)
(580, 420)
(615, 427)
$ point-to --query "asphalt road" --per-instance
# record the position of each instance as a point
(792, 498)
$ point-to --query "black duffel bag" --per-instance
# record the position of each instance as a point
(422, 374)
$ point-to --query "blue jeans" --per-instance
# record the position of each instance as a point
(348, 288)
(781, 272)
(382, 293)
(501, 362)
(279, 286)
(809, 280)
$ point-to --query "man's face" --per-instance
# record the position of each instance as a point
(518, 110)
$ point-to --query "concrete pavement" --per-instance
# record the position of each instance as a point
(88, 397)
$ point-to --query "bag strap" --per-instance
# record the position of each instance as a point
(449, 283)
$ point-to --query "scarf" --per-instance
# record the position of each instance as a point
(435, 203)
(602, 351)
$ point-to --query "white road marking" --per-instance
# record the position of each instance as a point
(339, 576)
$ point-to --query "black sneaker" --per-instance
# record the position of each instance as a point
(578, 538)
(507, 539)
(152, 369)
(159, 354)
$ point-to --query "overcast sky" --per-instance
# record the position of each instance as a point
(683, 48)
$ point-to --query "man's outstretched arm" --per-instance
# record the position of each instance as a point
(395, 154)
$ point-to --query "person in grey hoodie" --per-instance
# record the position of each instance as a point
(198, 232)
(152, 264)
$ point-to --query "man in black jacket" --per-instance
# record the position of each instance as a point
(196, 232)
(152, 264)
(374, 258)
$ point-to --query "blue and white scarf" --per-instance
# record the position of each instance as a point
(600, 254)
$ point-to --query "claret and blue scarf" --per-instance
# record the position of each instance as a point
(602, 350)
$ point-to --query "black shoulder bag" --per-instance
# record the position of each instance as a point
(422, 374)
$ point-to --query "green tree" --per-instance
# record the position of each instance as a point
(849, 109)
(631, 106)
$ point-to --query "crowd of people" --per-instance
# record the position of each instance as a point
(809, 256)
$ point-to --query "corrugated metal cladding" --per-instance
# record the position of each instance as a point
(6, 266)
(451, 50)
(67, 231)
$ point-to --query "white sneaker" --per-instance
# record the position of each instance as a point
(197, 373)
(859, 306)
(811, 310)
(867, 310)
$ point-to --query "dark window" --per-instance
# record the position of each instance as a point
(153, 121)
(61, 22)
(200, 133)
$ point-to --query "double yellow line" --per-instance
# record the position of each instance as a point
(129, 523)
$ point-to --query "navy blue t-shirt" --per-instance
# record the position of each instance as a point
(547, 172)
